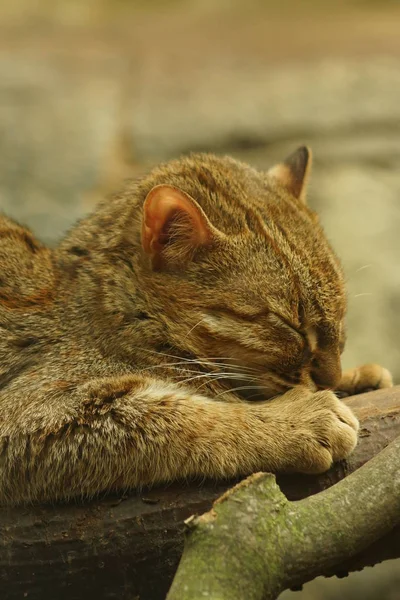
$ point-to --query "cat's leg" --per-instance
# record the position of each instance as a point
(118, 433)
(364, 379)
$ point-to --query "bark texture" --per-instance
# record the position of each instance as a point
(129, 547)
(254, 543)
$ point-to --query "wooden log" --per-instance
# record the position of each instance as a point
(129, 547)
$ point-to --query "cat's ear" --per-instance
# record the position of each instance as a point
(174, 226)
(294, 172)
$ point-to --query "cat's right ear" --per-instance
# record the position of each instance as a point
(294, 172)
(174, 226)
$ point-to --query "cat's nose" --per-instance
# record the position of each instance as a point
(326, 372)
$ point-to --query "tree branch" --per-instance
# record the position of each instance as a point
(118, 547)
(254, 543)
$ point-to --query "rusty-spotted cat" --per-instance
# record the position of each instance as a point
(191, 326)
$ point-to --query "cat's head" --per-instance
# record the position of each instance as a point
(239, 270)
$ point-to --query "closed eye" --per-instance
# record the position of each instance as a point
(260, 318)
(279, 320)
(243, 315)
(255, 315)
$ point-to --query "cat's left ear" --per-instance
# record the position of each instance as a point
(174, 226)
(294, 172)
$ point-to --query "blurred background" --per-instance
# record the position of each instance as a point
(92, 92)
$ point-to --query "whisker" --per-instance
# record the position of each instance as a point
(210, 361)
(205, 362)
(243, 387)
(363, 267)
(364, 294)
(254, 396)
(200, 360)
(237, 376)
(194, 327)
(180, 367)
(174, 366)
(216, 376)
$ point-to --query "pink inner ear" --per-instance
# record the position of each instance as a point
(161, 206)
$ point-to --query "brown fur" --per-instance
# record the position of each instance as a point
(133, 353)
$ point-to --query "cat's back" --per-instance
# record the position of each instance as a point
(26, 269)
(27, 294)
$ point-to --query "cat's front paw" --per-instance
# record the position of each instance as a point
(324, 430)
(364, 379)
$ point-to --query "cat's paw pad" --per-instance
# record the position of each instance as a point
(364, 379)
(326, 432)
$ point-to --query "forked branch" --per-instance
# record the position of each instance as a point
(254, 542)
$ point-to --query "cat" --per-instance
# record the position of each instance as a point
(191, 327)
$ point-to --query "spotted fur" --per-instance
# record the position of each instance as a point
(125, 363)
